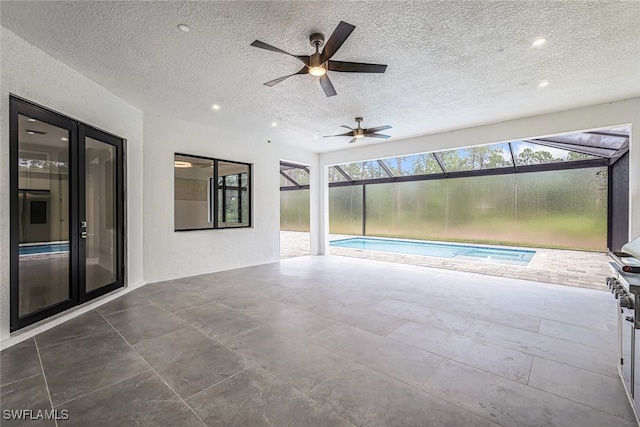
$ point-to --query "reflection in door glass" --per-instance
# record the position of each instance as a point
(233, 194)
(101, 248)
(43, 214)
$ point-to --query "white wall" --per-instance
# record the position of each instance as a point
(169, 254)
(587, 118)
(30, 73)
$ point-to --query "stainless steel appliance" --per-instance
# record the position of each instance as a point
(625, 286)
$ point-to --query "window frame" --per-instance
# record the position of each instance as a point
(213, 204)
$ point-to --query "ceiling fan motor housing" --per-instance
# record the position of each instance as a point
(317, 39)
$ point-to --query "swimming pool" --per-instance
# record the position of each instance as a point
(43, 248)
(441, 250)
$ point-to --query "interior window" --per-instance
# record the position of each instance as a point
(211, 193)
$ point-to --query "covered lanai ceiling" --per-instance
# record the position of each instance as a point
(450, 64)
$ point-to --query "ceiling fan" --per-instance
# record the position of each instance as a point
(359, 132)
(319, 63)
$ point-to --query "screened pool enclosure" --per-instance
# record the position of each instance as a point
(567, 191)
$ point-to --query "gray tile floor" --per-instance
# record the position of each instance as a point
(329, 341)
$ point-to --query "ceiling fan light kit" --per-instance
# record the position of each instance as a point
(319, 63)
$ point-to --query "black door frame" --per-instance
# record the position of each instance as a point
(77, 132)
(84, 132)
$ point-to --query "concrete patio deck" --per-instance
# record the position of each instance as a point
(563, 267)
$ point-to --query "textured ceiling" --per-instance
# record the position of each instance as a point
(450, 64)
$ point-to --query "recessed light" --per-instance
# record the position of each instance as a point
(64, 139)
(215, 107)
(181, 164)
(539, 42)
(274, 124)
(543, 84)
(184, 27)
(31, 120)
(30, 132)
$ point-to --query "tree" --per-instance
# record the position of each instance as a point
(486, 157)
(572, 156)
(334, 175)
(424, 164)
(451, 160)
(530, 157)
(299, 175)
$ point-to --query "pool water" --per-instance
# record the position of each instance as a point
(441, 250)
(43, 248)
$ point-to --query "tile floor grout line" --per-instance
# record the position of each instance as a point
(322, 404)
(433, 372)
(44, 377)
(217, 341)
(546, 357)
(305, 394)
(405, 322)
(186, 308)
(108, 385)
(465, 316)
(455, 404)
(73, 339)
(314, 335)
(21, 379)
(530, 369)
(223, 342)
(159, 376)
(149, 302)
(219, 382)
(420, 390)
(319, 344)
(323, 381)
(582, 404)
(617, 375)
(464, 363)
(581, 343)
(101, 388)
(126, 309)
(524, 385)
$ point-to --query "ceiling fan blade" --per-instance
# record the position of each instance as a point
(345, 126)
(342, 134)
(263, 45)
(377, 135)
(356, 67)
(303, 70)
(340, 34)
(376, 129)
(353, 140)
(327, 86)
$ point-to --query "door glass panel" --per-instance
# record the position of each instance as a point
(43, 214)
(100, 199)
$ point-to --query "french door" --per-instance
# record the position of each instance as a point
(67, 213)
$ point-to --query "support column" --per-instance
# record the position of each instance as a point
(318, 208)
